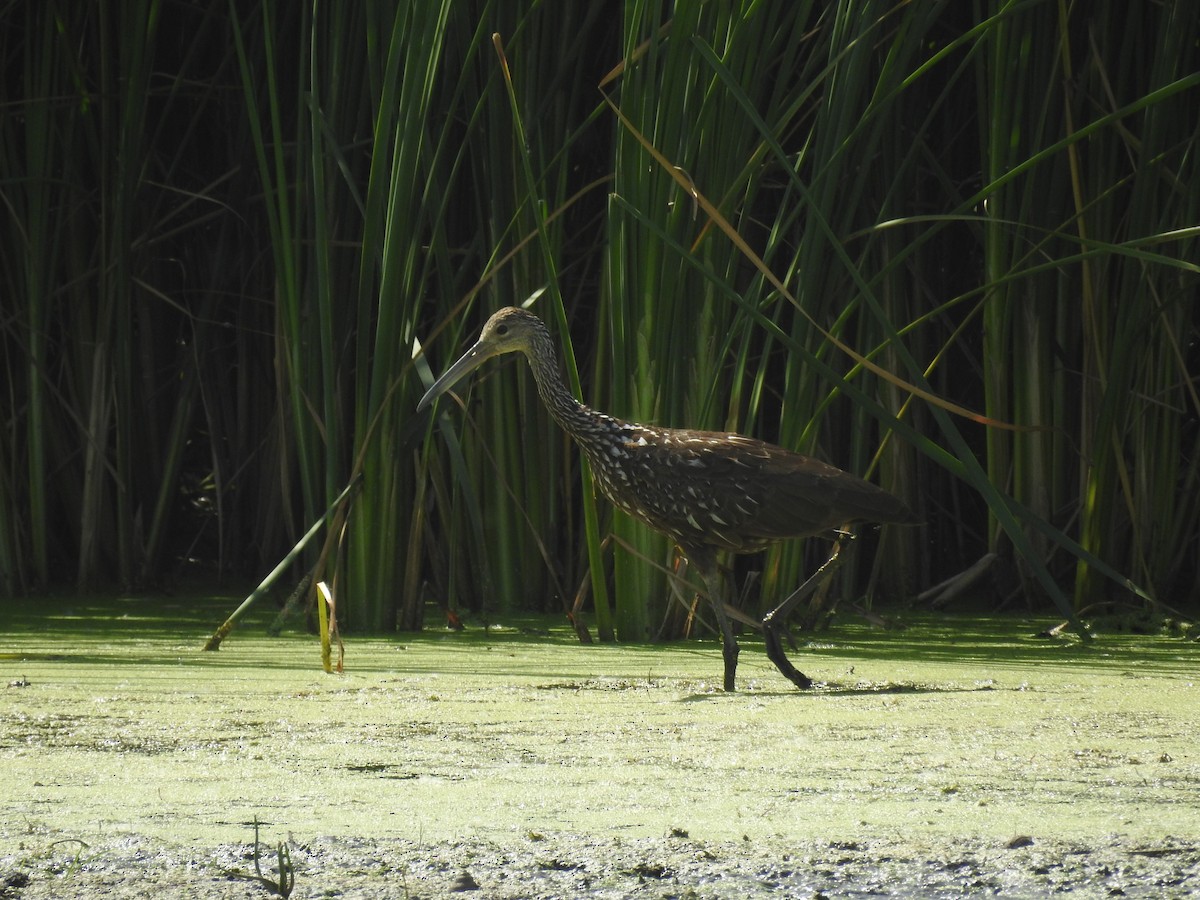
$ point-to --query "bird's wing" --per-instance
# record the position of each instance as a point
(740, 493)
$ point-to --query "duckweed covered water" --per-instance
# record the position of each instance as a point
(958, 756)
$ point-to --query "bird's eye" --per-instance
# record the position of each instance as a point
(502, 329)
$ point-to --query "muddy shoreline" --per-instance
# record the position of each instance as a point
(545, 866)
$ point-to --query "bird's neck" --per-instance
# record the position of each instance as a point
(578, 419)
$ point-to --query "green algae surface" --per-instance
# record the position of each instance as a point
(954, 729)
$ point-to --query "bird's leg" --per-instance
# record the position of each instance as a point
(729, 644)
(773, 622)
(705, 562)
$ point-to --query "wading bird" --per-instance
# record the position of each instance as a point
(708, 491)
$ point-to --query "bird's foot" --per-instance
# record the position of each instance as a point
(782, 663)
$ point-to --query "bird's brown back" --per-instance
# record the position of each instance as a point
(730, 491)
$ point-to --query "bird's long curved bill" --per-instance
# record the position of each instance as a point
(467, 363)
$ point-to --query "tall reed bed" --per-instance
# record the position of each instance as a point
(1088, 299)
(396, 174)
(950, 244)
(117, 340)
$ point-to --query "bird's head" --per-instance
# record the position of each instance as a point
(508, 330)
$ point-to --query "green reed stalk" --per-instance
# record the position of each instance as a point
(32, 201)
(104, 202)
(1082, 317)
(533, 205)
(401, 201)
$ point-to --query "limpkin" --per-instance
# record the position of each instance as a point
(708, 491)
